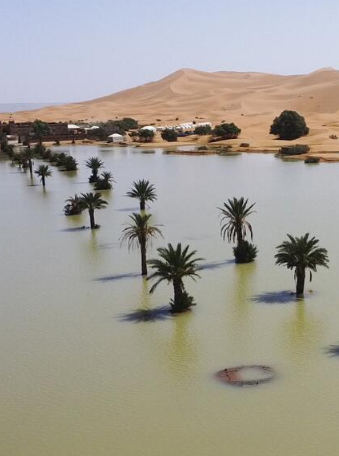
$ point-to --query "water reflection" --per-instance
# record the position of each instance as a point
(182, 348)
(302, 333)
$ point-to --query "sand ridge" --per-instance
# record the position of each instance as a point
(251, 100)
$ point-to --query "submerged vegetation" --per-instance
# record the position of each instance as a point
(301, 254)
(173, 266)
(139, 234)
(144, 191)
(235, 226)
(92, 202)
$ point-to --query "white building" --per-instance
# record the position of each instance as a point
(116, 138)
(150, 128)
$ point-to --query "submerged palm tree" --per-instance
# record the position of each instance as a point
(29, 154)
(94, 163)
(300, 254)
(143, 191)
(91, 202)
(73, 206)
(104, 182)
(139, 233)
(43, 171)
(234, 226)
(175, 264)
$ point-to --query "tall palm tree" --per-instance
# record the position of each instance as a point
(234, 227)
(175, 264)
(91, 202)
(43, 171)
(29, 154)
(143, 191)
(300, 254)
(94, 163)
(140, 233)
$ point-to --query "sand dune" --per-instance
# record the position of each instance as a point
(251, 100)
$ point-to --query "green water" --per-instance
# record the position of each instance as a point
(79, 377)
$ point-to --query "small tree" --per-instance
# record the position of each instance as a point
(139, 234)
(146, 135)
(227, 131)
(169, 134)
(203, 130)
(43, 171)
(91, 202)
(300, 254)
(174, 265)
(289, 125)
(40, 129)
(94, 163)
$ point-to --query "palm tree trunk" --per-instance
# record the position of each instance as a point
(43, 181)
(91, 218)
(300, 282)
(177, 285)
(142, 205)
(239, 236)
(30, 166)
(143, 257)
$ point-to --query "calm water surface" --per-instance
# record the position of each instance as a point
(80, 376)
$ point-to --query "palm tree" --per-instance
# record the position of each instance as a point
(174, 265)
(43, 171)
(300, 254)
(104, 182)
(139, 233)
(143, 191)
(91, 202)
(29, 154)
(234, 226)
(73, 206)
(94, 163)
(41, 129)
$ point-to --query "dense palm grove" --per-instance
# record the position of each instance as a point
(174, 263)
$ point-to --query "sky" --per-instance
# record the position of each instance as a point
(74, 50)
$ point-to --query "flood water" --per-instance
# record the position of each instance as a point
(82, 374)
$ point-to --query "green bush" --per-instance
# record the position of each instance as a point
(298, 149)
(245, 252)
(169, 134)
(226, 131)
(289, 125)
(312, 160)
(203, 130)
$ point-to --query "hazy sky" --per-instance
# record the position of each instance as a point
(72, 50)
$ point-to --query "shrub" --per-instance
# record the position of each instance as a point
(289, 125)
(169, 134)
(202, 130)
(245, 252)
(203, 148)
(227, 131)
(312, 160)
(244, 145)
(333, 137)
(298, 149)
(185, 303)
(73, 206)
(69, 163)
(145, 135)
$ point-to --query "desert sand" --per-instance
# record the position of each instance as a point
(251, 100)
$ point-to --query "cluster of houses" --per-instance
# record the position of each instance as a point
(24, 131)
(189, 126)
